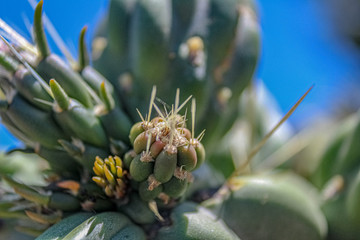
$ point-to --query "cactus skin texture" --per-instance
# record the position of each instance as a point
(108, 225)
(278, 209)
(195, 222)
(208, 49)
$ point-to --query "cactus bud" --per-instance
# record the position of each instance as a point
(110, 176)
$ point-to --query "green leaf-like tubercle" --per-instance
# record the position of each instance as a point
(83, 54)
(27, 192)
(60, 95)
(39, 33)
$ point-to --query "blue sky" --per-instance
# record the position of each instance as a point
(300, 48)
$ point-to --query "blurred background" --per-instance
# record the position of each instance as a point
(305, 43)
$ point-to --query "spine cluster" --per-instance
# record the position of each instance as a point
(164, 153)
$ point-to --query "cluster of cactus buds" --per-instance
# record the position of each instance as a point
(164, 152)
(110, 176)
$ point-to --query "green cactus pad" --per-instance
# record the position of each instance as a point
(190, 221)
(108, 225)
(266, 207)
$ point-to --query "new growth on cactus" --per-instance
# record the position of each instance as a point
(164, 151)
(110, 176)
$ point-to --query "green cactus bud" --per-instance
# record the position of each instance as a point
(175, 187)
(135, 131)
(163, 148)
(129, 156)
(141, 168)
(187, 157)
(150, 189)
(156, 148)
(200, 152)
(165, 164)
(141, 141)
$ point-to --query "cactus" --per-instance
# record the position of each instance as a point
(116, 169)
(211, 46)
